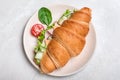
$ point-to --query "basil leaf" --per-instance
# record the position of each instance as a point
(45, 16)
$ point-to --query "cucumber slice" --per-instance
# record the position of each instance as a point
(38, 55)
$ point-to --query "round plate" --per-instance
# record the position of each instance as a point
(75, 64)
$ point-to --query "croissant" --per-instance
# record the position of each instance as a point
(68, 41)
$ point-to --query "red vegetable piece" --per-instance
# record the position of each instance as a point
(36, 29)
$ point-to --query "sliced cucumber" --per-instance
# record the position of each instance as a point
(38, 55)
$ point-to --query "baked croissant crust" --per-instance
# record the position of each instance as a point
(68, 41)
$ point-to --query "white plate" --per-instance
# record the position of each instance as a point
(76, 63)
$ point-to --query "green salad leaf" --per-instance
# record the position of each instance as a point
(42, 36)
(40, 47)
(45, 16)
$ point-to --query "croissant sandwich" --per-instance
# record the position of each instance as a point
(68, 40)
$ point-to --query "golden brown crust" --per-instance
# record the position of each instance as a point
(68, 40)
(80, 16)
(46, 64)
(75, 27)
(55, 37)
(71, 40)
(58, 52)
(86, 10)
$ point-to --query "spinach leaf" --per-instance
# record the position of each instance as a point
(45, 16)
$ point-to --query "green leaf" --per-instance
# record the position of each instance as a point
(42, 36)
(50, 27)
(45, 16)
(41, 47)
(65, 15)
(36, 49)
(37, 61)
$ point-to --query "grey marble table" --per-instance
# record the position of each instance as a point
(104, 64)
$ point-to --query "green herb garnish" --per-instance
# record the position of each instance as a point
(40, 47)
(38, 57)
(42, 36)
(45, 16)
(66, 15)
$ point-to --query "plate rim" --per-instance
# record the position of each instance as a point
(83, 67)
(25, 51)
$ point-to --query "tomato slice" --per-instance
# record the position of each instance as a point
(36, 29)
